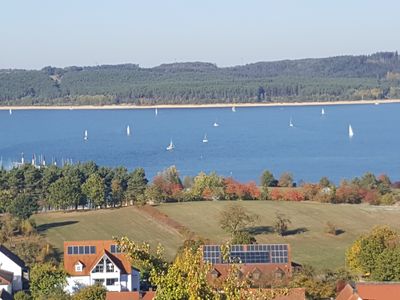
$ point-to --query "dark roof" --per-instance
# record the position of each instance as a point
(4, 295)
(12, 256)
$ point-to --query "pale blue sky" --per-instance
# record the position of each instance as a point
(37, 33)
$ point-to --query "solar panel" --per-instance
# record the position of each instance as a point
(248, 254)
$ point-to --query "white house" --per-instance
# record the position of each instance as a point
(12, 270)
(101, 262)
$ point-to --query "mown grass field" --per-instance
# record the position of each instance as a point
(104, 224)
(311, 245)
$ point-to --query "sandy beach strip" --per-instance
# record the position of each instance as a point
(216, 105)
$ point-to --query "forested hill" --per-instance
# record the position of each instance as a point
(375, 76)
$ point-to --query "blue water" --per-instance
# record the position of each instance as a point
(245, 143)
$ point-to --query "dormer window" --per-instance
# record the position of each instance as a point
(78, 267)
(115, 249)
(256, 274)
(214, 273)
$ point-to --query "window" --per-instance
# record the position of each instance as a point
(87, 249)
(76, 250)
(99, 267)
(98, 281)
(109, 266)
(92, 249)
(78, 267)
(111, 281)
(115, 249)
(69, 251)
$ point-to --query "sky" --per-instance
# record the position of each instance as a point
(38, 33)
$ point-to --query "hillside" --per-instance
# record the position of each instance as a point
(309, 243)
(325, 79)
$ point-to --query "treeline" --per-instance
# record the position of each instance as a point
(375, 76)
(27, 189)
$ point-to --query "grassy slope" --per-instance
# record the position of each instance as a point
(104, 224)
(313, 246)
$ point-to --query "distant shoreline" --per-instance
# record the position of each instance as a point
(217, 105)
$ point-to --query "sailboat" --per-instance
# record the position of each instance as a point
(156, 111)
(128, 130)
(215, 124)
(322, 112)
(85, 135)
(291, 123)
(171, 146)
(351, 133)
(10, 111)
(233, 108)
(205, 139)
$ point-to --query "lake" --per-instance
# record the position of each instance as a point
(244, 144)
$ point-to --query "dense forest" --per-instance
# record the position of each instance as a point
(375, 76)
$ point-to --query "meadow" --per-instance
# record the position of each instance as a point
(310, 244)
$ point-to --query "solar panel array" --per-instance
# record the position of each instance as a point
(248, 254)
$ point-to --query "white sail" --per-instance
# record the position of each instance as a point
(215, 124)
(128, 130)
(156, 111)
(205, 139)
(171, 146)
(322, 111)
(10, 111)
(290, 123)
(85, 135)
(233, 108)
(351, 133)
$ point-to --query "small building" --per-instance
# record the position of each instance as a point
(264, 264)
(12, 271)
(99, 262)
(370, 291)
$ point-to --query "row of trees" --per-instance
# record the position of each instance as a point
(27, 189)
(327, 79)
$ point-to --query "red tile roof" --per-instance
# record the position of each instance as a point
(371, 291)
(131, 295)
(293, 294)
(378, 290)
(122, 296)
(267, 273)
(6, 277)
(90, 260)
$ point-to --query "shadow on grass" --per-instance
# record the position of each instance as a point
(44, 227)
(256, 230)
(339, 231)
(295, 231)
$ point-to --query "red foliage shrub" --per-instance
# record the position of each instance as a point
(237, 190)
(371, 196)
(276, 194)
(310, 191)
(348, 193)
(294, 195)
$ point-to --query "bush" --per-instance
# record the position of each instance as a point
(281, 224)
(276, 194)
(294, 195)
(389, 199)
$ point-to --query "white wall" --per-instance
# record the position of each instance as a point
(76, 282)
(10, 266)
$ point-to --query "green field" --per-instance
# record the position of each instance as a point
(105, 224)
(311, 245)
